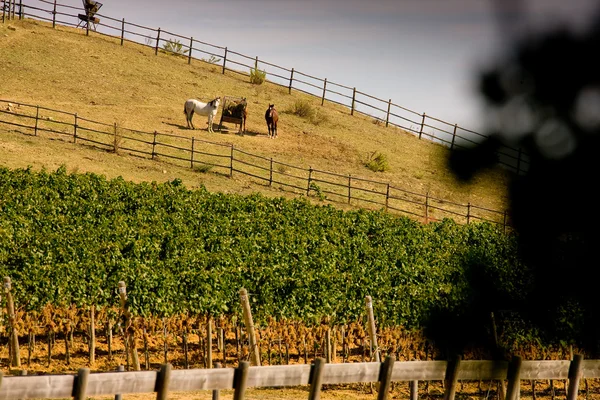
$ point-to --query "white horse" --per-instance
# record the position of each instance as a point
(207, 109)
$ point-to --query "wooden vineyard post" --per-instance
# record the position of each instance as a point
(209, 362)
(254, 355)
(3, 10)
(353, 100)
(75, 129)
(324, 90)
(14, 337)
(309, 178)
(372, 331)
(129, 331)
(422, 126)
(190, 50)
(92, 335)
(224, 60)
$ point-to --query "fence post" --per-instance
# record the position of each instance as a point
(190, 51)
(349, 186)
(3, 10)
(14, 338)
(87, 27)
(154, 145)
(309, 178)
(468, 212)
(37, 117)
(387, 197)
(372, 331)
(231, 163)
(122, 31)
(119, 396)
(427, 207)
(54, 15)
(115, 140)
(422, 126)
(254, 356)
(514, 381)
(271, 172)
(224, 60)
(215, 393)
(574, 376)
(316, 377)
(414, 390)
(162, 382)
(291, 80)
(385, 377)
(353, 99)
(451, 378)
(75, 129)
(453, 136)
(387, 118)
(192, 156)
(240, 376)
(20, 9)
(324, 90)
(157, 42)
(80, 389)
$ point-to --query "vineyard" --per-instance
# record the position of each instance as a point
(67, 240)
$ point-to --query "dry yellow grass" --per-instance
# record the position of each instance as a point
(100, 80)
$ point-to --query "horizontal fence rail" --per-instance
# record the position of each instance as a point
(85, 384)
(384, 112)
(225, 159)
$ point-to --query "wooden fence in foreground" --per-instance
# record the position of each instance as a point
(225, 159)
(85, 384)
(381, 110)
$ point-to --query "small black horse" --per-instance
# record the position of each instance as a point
(271, 116)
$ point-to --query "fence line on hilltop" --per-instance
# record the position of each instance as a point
(225, 159)
(383, 111)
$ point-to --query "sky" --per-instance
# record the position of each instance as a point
(422, 54)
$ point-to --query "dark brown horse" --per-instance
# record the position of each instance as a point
(272, 117)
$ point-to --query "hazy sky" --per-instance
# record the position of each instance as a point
(423, 54)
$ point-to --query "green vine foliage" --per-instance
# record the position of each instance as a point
(70, 238)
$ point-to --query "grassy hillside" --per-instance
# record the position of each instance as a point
(99, 79)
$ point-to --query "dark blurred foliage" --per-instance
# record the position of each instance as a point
(545, 99)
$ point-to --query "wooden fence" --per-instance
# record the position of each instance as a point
(225, 159)
(383, 111)
(85, 384)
